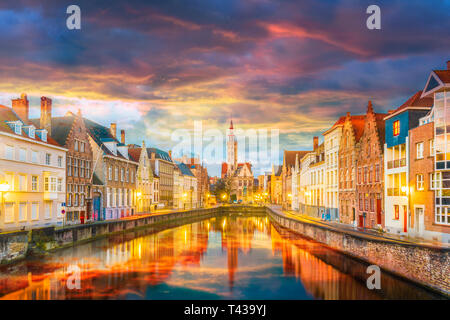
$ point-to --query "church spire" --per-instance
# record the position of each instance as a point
(231, 124)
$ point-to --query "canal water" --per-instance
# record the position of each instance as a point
(228, 257)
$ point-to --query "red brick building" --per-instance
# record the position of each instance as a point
(348, 151)
(370, 173)
(423, 182)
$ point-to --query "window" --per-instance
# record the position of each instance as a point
(396, 128)
(60, 161)
(431, 147)
(419, 182)
(23, 211)
(9, 152)
(34, 211)
(23, 154)
(34, 183)
(377, 173)
(116, 174)
(48, 158)
(50, 184)
(60, 184)
(121, 174)
(69, 200)
(9, 212)
(47, 209)
(419, 150)
(76, 145)
(110, 173)
(435, 180)
(34, 156)
(22, 183)
(396, 212)
(361, 202)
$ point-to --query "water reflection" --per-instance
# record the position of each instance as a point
(232, 257)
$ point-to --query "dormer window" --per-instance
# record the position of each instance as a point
(42, 134)
(30, 130)
(16, 126)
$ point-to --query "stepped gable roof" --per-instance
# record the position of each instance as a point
(379, 118)
(339, 122)
(8, 114)
(414, 101)
(159, 154)
(240, 166)
(61, 127)
(184, 169)
(358, 125)
(289, 157)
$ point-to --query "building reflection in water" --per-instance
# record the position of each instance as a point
(127, 265)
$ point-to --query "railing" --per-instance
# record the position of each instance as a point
(396, 163)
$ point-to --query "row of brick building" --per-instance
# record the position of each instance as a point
(387, 171)
(69, 169)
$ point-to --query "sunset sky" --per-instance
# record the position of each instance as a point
(155, 66)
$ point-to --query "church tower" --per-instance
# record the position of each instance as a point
(231, 149)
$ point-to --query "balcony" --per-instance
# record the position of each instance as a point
(398, 163)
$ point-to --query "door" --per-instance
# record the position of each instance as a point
(419, 220)
(361, 221)
(378, 211)
(96, 207)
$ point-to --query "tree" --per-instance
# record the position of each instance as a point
(222, 186)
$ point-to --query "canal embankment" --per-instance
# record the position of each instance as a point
(427, 265)
(17, 245)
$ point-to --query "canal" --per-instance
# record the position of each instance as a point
(227, 257)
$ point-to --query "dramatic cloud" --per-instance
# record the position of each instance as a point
(157, 66)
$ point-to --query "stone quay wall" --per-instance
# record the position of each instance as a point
(16, 245)
(426, 265)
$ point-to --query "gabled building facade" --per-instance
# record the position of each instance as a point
(370, 173)
(114, 179)
(352, 131)
(331, 140)
(163, 166)
(144, 178)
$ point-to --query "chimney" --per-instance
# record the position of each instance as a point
(448, 65)
(122, 136)
(315, 143)
(46, 114)
(113, 129)
(21, 107)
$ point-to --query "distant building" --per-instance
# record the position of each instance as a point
(240, 174)
(33, 169)
(289, 158)
(145, 179)
(163, 166)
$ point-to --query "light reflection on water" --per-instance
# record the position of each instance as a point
(230, 257)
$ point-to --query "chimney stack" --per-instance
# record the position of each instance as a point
(315, 143)
(113, 129)
(122, 136)
(46, 114)
(21, 107)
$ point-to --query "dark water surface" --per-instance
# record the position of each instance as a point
(229, 257)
